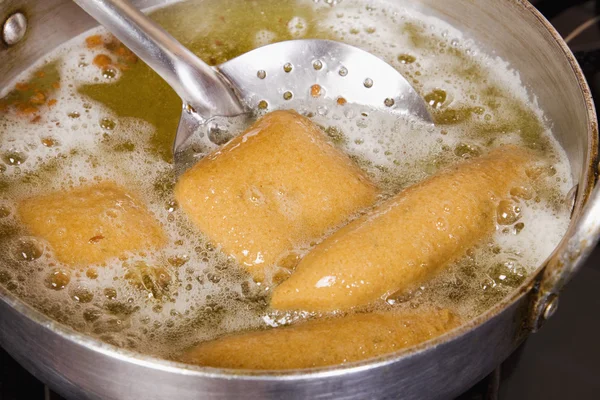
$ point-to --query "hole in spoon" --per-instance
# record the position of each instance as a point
(315, 90)
(287, 95)
(317, 64)
(287, 67)
(343, 71)
(261, 74)
(368, 83)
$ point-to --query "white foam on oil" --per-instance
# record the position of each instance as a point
(532, 250)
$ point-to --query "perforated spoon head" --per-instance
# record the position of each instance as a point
(269, 77)
(314, 68)
(280, 75)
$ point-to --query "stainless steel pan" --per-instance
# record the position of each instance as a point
(79, 367)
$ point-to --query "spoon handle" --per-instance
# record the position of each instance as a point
(195, 82)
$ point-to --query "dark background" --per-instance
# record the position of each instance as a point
(562, 361)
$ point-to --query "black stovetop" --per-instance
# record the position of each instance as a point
(562, 361)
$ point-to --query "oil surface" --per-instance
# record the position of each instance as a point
(92, 111)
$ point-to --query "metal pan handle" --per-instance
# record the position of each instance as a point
(567, 260)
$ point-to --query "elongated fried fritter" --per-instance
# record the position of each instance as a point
(406, 239)
(276, 186)
(91, 223)
(323, 342)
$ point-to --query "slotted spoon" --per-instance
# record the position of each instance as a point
(266, 77)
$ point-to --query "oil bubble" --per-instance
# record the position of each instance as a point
(406, 59)
(58, 279)
(315, 90)
(110, 293)
(507, 212)
(4, 211)
(109, 73)
(465, 150)
(82, 294)
(507, 273)
(49, 142)
(107, 124)
(28, 249)
(91, 273)
(219, 136)
(518, 227)
(322, 110)
(436, 98)
(14, 157)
